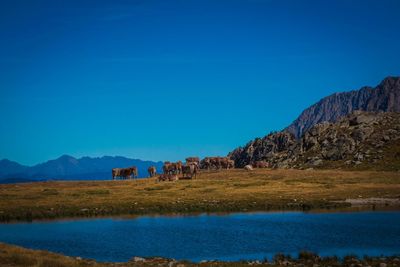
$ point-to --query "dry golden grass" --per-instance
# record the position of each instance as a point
(18, 256)
(14, 256)
(224, 191)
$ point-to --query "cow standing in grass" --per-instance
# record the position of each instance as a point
(231, 164)
(206, 163)
(192, 160)
(124, 173)
(116, 172)
(168, 167)
(260, 164)
(172, 167)
(152, 171)
(226, 163)
(178, 167)
(190, 170)
(217, 163)
(133, 172)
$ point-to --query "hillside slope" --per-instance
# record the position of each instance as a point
(360, 140)
(384, 97)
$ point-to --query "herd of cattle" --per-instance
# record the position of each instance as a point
(189, 169)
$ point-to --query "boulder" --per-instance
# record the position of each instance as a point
(361, 118)
(248, 168)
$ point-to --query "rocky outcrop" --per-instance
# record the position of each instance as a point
(354, 139)
(359, 138)
(274, 148)
(384, 97)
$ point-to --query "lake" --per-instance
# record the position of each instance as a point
(206, 237)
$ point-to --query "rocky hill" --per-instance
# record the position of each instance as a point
(359, 140)
(384, 97)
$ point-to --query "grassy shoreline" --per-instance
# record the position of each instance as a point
(211, 192)
(15, 256)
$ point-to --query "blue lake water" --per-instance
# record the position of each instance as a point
(227, 237)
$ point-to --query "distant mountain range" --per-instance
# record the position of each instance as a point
(384, 97)
(70, 168)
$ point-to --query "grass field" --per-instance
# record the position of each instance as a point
(223, 191)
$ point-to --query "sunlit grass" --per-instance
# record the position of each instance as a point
(224, 191)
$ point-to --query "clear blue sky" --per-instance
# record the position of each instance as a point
(165, 79)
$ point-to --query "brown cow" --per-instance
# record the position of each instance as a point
(152, 171)
(121, 173)
(260, 164)
(179, 167)
(167, 177)
(193, 159)
(231, 164)
(116, 172)
(172, 167)
(205, 163)
(129, 173)
(216, 163)
(162, 177)
(168, 167)
(124, 173)
(133, 172)
(226, 163)
(210, 163)
(190, 170)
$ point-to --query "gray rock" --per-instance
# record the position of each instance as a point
(317, 162)
(138, 259)
(361, 118)
(365, 140)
